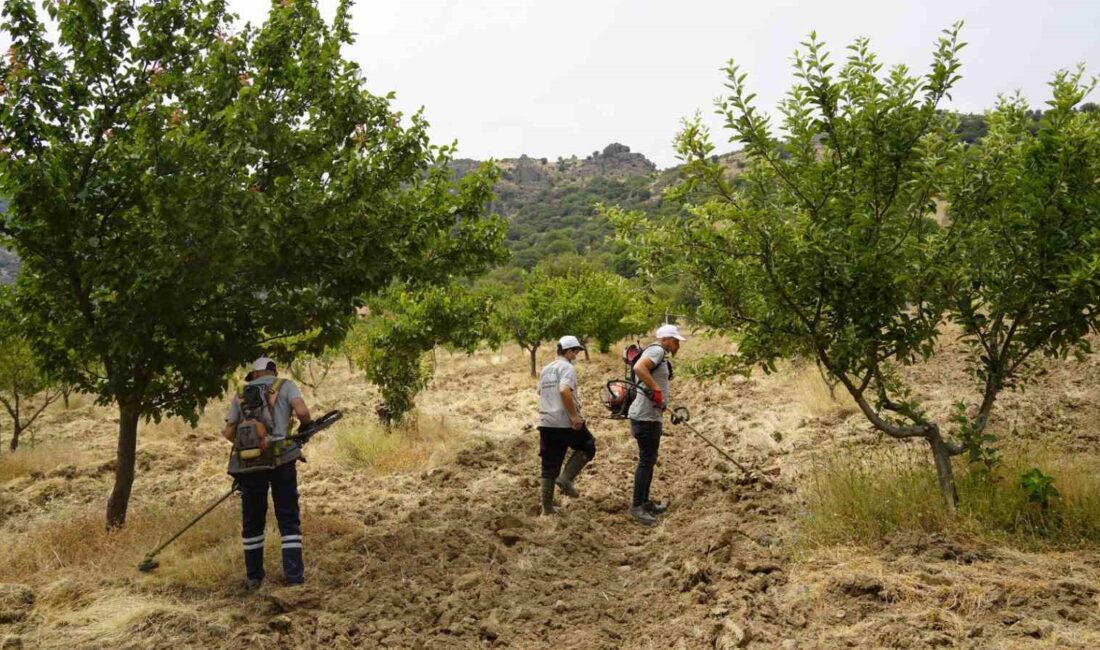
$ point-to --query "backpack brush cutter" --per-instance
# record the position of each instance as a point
(302, 437)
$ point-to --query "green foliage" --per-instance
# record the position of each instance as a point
(612, 307)
(979, 443)
(312, 369)
(544, 311)
(823, 250)
(829, 248)
(1025, 235)
(568, 295)
(25, 390)
(391, 344)
(1039, 488)
(564, 219)
(182, 195)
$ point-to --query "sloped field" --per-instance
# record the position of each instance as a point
(439, 546)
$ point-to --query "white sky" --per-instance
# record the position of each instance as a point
(562, 77)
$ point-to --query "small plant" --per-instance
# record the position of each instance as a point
(1039, 488)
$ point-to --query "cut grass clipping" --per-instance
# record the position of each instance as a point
(867, 496)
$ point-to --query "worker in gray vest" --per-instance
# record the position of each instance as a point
(561, 425)
(646, 414)
(275, 471)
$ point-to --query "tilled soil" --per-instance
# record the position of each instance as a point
(456, 556)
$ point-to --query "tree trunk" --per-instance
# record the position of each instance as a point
(533, 351)
(16, 423)
(124, 467)
(944, 473)
(15, 431)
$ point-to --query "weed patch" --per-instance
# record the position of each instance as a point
(865, 498)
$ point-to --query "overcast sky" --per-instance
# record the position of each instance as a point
(556, 78)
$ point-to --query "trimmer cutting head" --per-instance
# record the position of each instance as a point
(148, 564)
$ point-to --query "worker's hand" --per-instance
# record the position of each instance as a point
(658, 399)
(577, 421)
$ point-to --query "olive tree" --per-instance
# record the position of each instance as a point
(827, 247)
(185, 194)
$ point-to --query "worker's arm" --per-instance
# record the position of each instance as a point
(571, 407)
(643, 369)
(301, 411)
(230, 431)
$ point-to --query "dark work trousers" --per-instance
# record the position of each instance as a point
(283, 481)
(648, 435)
(554, 443)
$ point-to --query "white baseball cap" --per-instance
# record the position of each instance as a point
(670, 331)
(569, 343)
(262, 363)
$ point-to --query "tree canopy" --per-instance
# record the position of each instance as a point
(186, 193)
(831, 245)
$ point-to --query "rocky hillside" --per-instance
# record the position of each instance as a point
(551, 204)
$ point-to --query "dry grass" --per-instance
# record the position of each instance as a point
(111, 618)
(867, 497)
(813, 396)
(207, 558)
(42, 458)
(78, 539)
(424, 442)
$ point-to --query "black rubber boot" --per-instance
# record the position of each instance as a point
(548, 496)
(641, 516)
(573, 467)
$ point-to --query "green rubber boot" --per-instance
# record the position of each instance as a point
(548, 496)
(573, 467)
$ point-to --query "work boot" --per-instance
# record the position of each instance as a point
(253, 584)
(641, 516)
(655, 507)
(548, 496)
(576, 463)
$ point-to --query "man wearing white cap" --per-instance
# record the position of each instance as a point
(561, 425)
(646, 417)
(282, 397)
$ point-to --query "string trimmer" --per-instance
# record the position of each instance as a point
(149, 562)
(681, 415)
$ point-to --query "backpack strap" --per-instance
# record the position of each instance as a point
(664, 357)
(273, 392)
